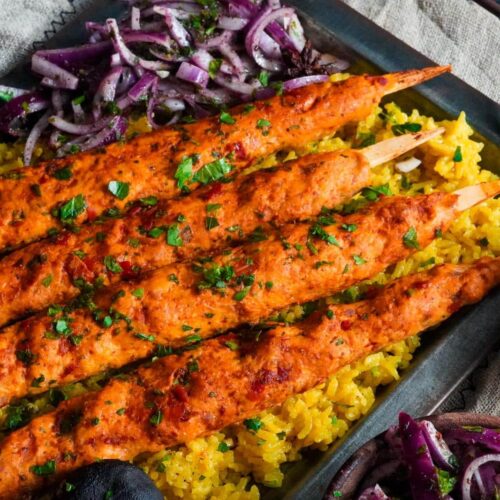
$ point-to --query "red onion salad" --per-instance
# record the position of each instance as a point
(417, 462)
(174, 60)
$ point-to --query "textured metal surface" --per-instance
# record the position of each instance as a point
(450, 352)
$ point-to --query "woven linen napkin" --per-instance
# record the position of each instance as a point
(448, 31)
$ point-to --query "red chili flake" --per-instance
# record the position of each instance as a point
(135, 210)
(180, 393)
(61, 238)
(128, 270)
(213, 190)
(345, 325)
(238, 149)
(91, 214)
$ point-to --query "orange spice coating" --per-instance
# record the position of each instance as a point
(185, 302)
(31, 198)
(181, 397)
(44, 273)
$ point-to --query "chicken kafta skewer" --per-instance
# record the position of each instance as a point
(230, 378)
(186, 302)
(38, 201)
(156, 233)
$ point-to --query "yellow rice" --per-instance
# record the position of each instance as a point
(232, 463)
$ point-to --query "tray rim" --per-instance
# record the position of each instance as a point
(315, 480)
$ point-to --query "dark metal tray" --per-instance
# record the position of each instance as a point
(449, 353)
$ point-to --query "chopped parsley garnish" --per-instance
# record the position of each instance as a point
(457, 156)
(263, 123)
(350, 228)
(484, 242)
(406, 127)
(216, 277)
(139, 293)
(269, 285)
(69, 487)
(26, 356)
(47, 280)
(193, 339)
(73, 208)
(410, 239)
(156, 418)
(372, 193)
(63, 174)
(119, 189)
(428, 262)
(144, 336)
(95, 421)
(45, 469)
(438, 233)
(253, 424)
(184, 171)
(156, 232)
(446, 481)
(6, 95)
(211, 222)
(78, 100)
(248, 108)
(223, 447)
(330, 314)
(186, 328)
(174, 236)
(365, 139)
(37, 381)
(257, 234)
(112, 265)
(17, 416)
(213, 171)
(173, 278)
(263, 78)
(226, 118)
(316, 231)
(240, 295)
(358, 260)
(213, 207)
(149, 201)
(120, 411)
(213, 67)
(232, 345)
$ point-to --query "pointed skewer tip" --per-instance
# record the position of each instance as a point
(472, 195)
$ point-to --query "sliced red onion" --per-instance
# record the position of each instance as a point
(440, 452)
(79, 129)
(269, 47)
(78, 113)
(126, 54)
(487, 437)
(140, 89)
(304, 80)
(116, 60)
(227, 51)
(58, 102)
(332, 64)
(281, 36)
(14, 112)
(423, 475)
(63, 79)
(12, 92)
(107, 89)
(375, 493)
(215, 96)
(178, 32)
(473, 469)
(142, 37)
(216, 41)
(296, 33)
(252, 39)
(174, 104)
(75, 57)
(235, 86)
(232, 23)
(192, 74)
(34, 135)
(135, 18)
(111, 133)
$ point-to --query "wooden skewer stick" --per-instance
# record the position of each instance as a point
(472, 195)
(392, 148)
(404, 79)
